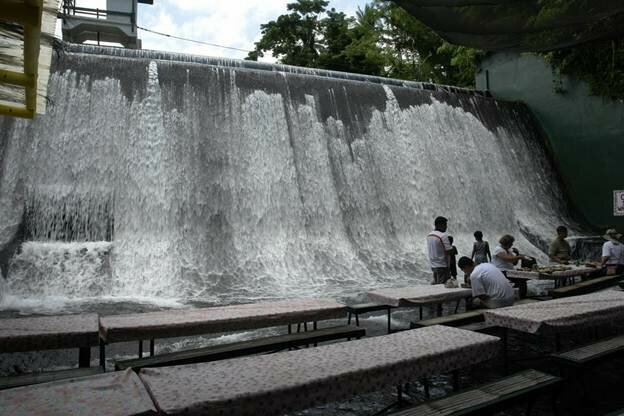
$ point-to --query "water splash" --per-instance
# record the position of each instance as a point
(223, 184)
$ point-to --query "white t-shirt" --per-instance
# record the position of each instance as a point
(614, 251)
(437, 243)
(487, 279)
(500, 263)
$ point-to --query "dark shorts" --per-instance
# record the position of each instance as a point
(440, 275)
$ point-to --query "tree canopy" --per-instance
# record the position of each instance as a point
(382, 39)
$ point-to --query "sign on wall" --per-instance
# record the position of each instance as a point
(618, 203)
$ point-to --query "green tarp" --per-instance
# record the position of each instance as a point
(520, 25)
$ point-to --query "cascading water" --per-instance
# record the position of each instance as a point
(164, 175)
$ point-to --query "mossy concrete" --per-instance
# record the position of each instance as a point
(585, 133)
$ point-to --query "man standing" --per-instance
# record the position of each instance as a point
(488, 284)
(439, 250)
(613, 253)
(559, 250)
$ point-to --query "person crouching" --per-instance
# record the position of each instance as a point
(488, 284)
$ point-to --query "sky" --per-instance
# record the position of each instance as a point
(234, 23)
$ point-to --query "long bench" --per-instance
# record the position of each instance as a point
(119, 393)
(45, 377)
(201, 321)
(495, 396)
(587, 286)
(592, 353)
(294, 380)
(238, 349)
(462, 319)
(49, 333)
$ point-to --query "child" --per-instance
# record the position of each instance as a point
(480, 250)
(452, 262)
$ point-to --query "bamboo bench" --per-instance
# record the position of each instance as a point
(462, 319)
(37, 378)
(592, 353)
(495, 396)
(457, 319)
(238, 349)
(587, 286)
(366, 308)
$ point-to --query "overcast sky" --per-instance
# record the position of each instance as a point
(234, 23)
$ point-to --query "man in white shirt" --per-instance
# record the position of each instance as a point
(439, 249)
(488, 284)
(613, 252)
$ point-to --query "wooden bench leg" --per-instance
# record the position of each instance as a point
(505, 352)
(389, 321)
(349, 319)
(425, 382)
(557, 343)
(457, 305)
(522, 286)
(553, 397)
(152, 347)
(141, 349)
(357, 319)
(103, 355)
(530, 404)
(315, 327)
(420, 313)
(84, 357)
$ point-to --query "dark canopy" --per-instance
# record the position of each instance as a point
(520, 25)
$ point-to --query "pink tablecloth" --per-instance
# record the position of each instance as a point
(175, 323)
(49, 332)
(418, 295)
(279, 383)
(560, 315)
(111, 394)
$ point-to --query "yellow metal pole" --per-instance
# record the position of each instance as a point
(16, 78)
(32, 38)
(8, 110)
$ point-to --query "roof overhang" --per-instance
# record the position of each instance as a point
(519, 25)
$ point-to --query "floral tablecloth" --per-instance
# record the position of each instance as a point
(48, 332)
(562, 274)
(287, 381)
(185, 322)
(418, 295)
(560, 315)
(111, 394)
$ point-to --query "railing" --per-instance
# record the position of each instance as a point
(70, 9)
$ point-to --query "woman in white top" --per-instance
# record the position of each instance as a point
(503, 257)
(613, 253)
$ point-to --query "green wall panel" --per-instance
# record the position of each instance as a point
(586, 133)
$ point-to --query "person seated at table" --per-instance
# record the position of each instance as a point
(559, 250)
(613, 252)
(488, 284)
(504, 257)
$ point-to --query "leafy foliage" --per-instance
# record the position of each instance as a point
(382, 40)
(600, 64)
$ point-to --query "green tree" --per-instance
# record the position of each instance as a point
(383, 40)
(293, 38)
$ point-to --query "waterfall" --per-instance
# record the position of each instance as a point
(171, 176)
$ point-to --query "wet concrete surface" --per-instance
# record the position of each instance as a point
(597, 392)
